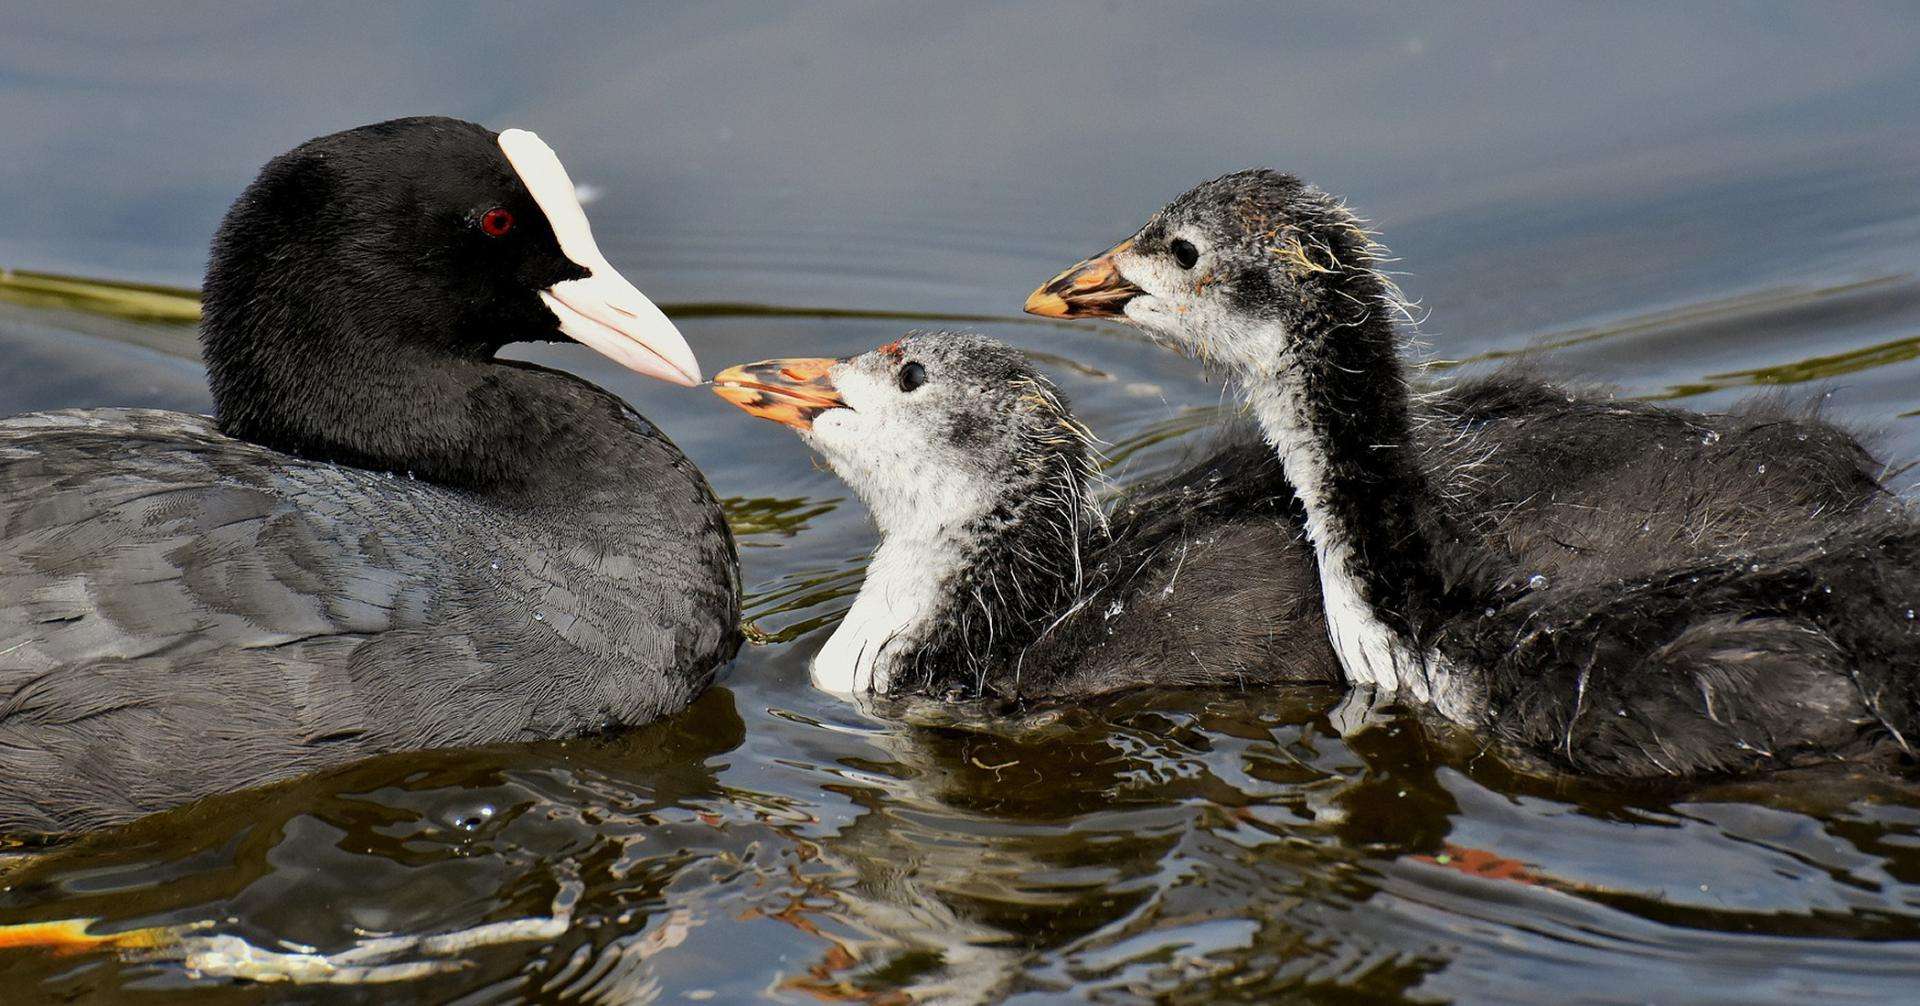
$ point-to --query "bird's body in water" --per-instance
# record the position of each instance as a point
(1018, 584)
(386, 538)
(1777, 633)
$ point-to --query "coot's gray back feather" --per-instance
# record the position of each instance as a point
(173, 592)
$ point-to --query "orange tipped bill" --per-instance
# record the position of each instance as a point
(1092, 288)
(790, 392)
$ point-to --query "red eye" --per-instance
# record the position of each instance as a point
(496, 222)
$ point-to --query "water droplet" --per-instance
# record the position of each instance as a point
(474, 818)
(1645, 526)
(1827, 589)
(539, 616)
(1909, 614)
(1710, 437)
(1763, 469)
(495, 566)
(1755, 568)
(1489, 612)
(1536, 581)
(1114, 609)
(1800, 437)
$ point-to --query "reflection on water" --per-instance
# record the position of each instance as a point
(1688, 204)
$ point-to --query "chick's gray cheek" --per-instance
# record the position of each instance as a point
(968, 429)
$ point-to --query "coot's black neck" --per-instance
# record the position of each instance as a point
(1331, 394)
(510, 430)
(376, 369)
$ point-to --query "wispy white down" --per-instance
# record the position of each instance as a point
(1371, 653)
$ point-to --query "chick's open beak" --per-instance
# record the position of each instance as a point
(1093, 288)
(790, 392)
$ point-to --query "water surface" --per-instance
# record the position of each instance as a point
(1690, 204)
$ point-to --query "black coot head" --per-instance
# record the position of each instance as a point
(424, 218)
(399, 243)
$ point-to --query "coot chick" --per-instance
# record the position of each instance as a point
(386, 538)
(999, 574)
(1786, 643)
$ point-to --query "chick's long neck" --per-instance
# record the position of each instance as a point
(1331, 396)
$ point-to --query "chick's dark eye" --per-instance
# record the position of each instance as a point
(1185, 253)
(912, 376)
(496, 222)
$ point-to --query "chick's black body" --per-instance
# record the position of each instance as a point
(1782, 654)
(386, 540)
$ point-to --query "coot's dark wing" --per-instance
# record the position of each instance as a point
(129, 533)
(170, 591)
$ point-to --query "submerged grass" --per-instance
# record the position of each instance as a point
(164, 305)
(805, 590)
(760, 516)
(1816, 368)
(1758, 303)
(173, 305)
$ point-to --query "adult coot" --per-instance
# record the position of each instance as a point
(385, 538)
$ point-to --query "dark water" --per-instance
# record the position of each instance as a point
(1690, 203)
